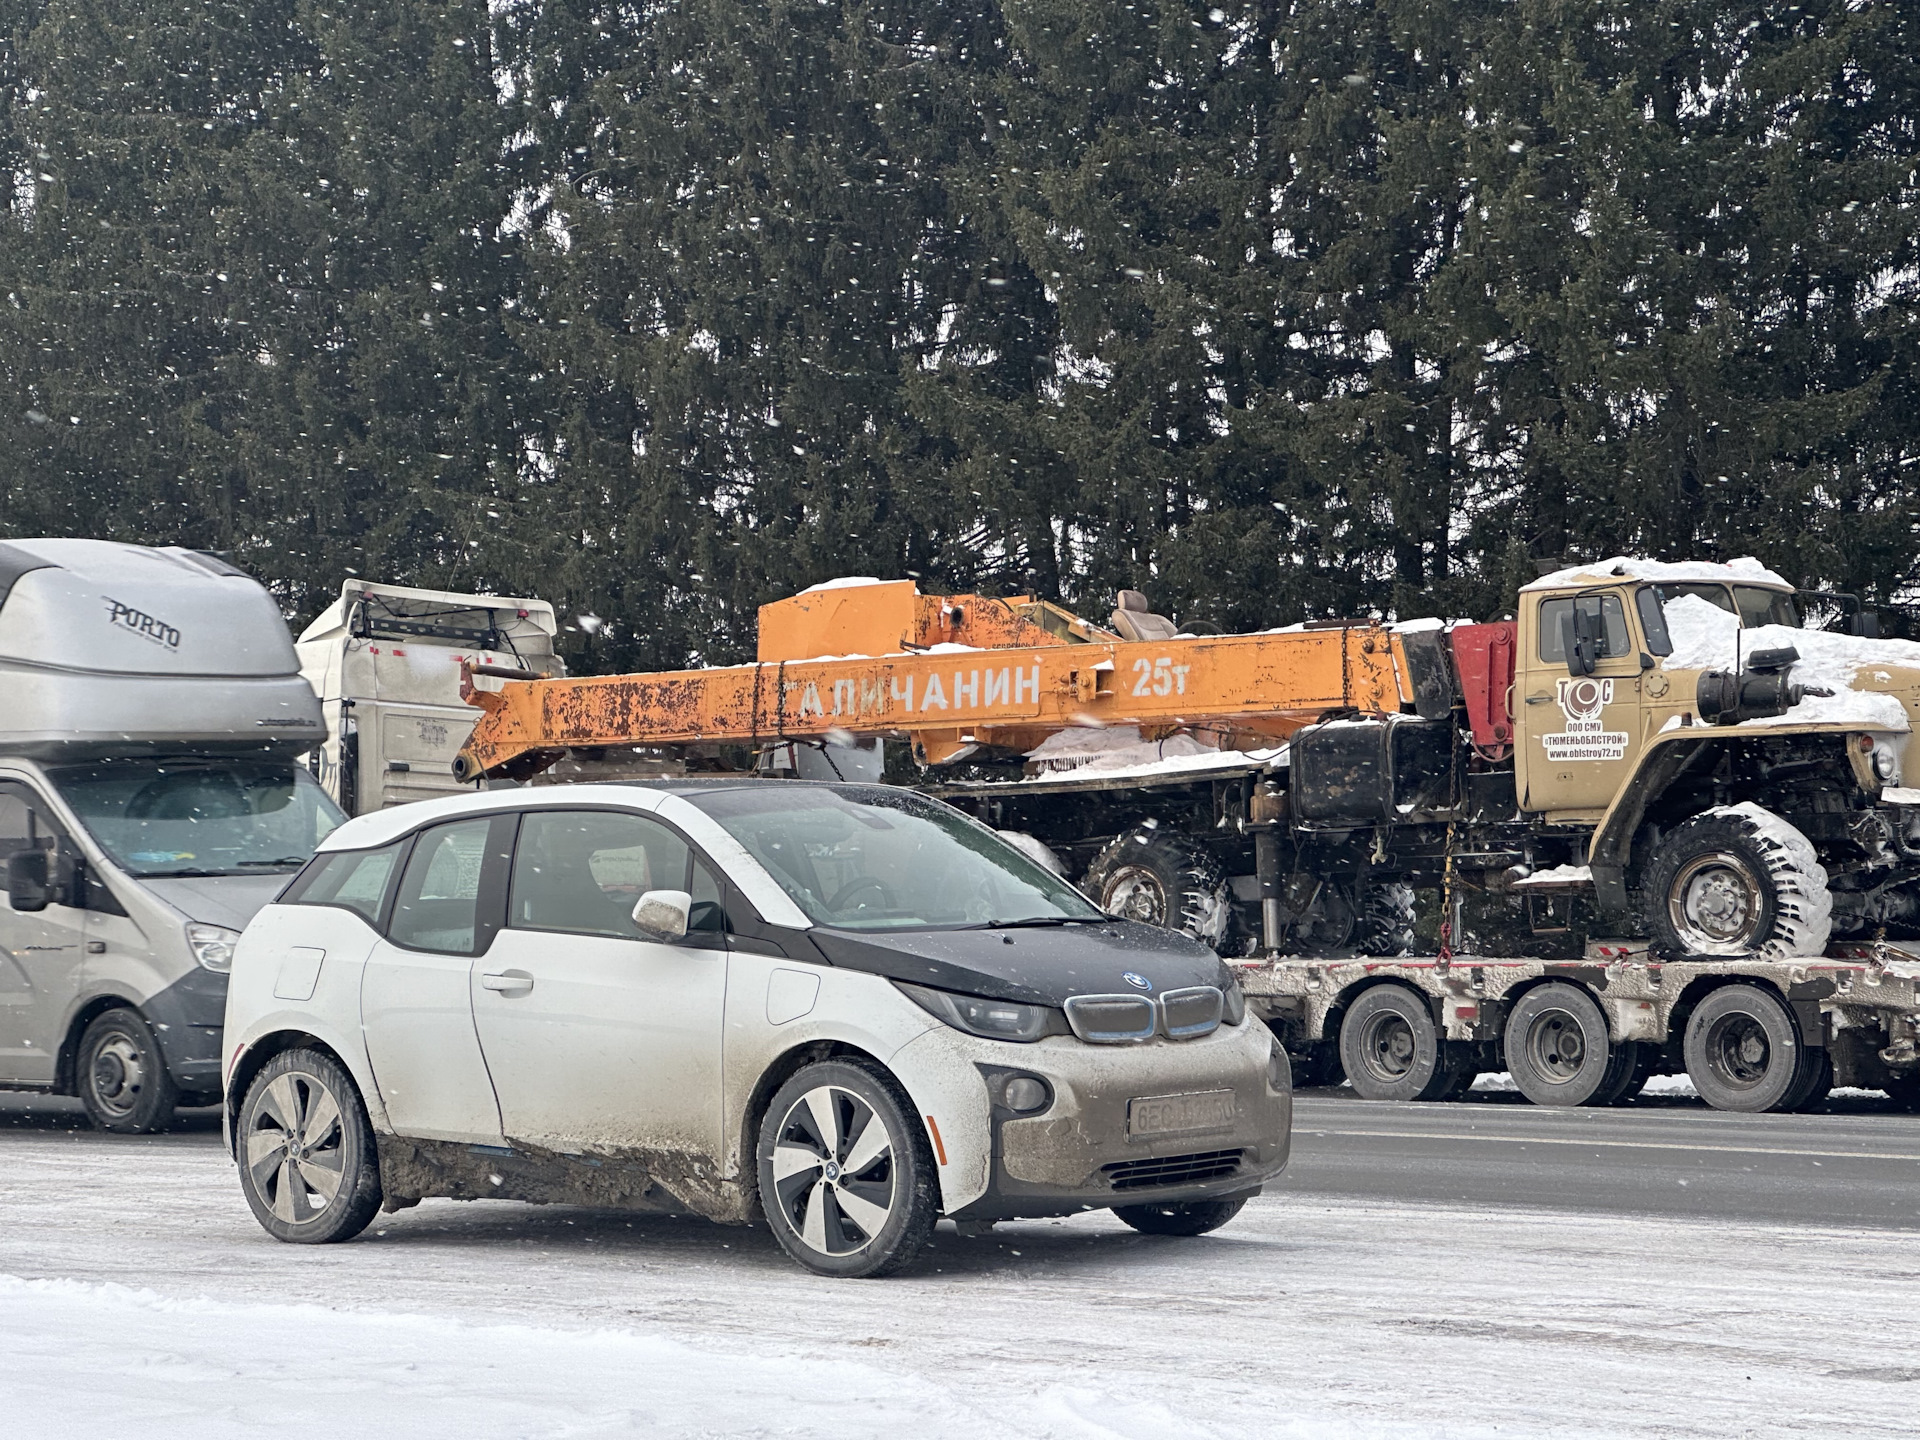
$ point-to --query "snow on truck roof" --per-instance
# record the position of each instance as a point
(1744, 571)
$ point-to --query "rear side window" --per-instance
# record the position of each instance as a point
(1554, 627)
(580, 871)
(354, 880)
(448, 894)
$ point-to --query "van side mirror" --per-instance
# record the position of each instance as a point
(1580, 640)
(29, 882)
(663, 913)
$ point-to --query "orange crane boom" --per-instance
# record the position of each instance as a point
(950, 673)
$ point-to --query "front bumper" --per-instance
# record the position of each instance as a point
(1077, 1155)
(186, 1018)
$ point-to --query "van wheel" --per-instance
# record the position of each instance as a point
(1157, 878)
(846, 1173)
(1743, 1052)
(122, 1076)
(1558, 1051)
(308, 1166)
(1738, 882)
(1391, 1049)
(1195, 1217)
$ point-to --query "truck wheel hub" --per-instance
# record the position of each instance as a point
(1716, 898)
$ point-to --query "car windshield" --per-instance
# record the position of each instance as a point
(867, 857)
(201, 817)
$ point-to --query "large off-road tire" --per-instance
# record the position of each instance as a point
(1158, 878)
(846, 1172)
(1385, 923)
(1391, 1048)
(1737, 882)
(122, 1075)
(1194, 1217)
(1743, 1050)
(1558, 1051)
(308, 1166)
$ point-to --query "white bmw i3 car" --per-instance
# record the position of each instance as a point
(847, 1009)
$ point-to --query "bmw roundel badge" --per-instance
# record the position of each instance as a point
(1139, 982)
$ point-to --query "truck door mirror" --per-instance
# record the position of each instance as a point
(1580, 639)
(29, 881)
(662, 914)
(1866, 623)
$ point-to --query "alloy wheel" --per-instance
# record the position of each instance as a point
(834, 1175)
(296, 1148)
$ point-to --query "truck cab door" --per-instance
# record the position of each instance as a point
(1578, 715)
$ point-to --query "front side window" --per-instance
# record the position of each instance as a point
(1765, 607)
(354, 880)
(580, 871)
(441, 901)
(867, 857)
(1606, 610)
(201, 817)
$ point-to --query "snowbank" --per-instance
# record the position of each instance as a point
(1120, 752)
(1705, 637)
(845, 582)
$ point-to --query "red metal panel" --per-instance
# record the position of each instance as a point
(1483, 656)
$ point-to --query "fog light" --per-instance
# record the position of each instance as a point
(1023, 1093)
(1279, 1071)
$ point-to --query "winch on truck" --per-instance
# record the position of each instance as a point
(1645, 749)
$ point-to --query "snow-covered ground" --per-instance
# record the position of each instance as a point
(140, 1298)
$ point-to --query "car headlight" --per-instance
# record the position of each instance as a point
(212, 946)
(1233, 1003)
(989, 1019)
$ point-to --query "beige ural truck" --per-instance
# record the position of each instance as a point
(1647, 750)
(385, 662)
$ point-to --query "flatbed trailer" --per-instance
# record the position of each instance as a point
(1752, 1035)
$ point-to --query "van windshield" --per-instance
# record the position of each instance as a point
(868, 857)
(201, 816)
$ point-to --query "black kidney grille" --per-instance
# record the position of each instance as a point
(1172, 1170)
(1191, 1013)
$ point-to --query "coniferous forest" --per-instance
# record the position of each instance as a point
(1276, 310)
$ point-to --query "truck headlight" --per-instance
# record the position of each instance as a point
(989, 1019)
(212, 946)
(1885, 763)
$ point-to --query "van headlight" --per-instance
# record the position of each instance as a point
(989, 1019)
(212, 946)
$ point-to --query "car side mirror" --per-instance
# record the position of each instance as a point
(29, 881)
(663, 913)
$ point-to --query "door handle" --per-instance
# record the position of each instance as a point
(1538, 699)
(508, 982)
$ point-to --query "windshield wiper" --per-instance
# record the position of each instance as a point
(179, 874)
(1027, 922)
(283, 860)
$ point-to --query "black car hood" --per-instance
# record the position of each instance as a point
(1041, 965)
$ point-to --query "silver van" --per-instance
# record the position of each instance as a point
(151, 709)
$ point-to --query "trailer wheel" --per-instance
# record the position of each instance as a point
(1904, 1090)
(1814, 1082)
(1159, 879)
(1743, 1052)
(1558, 1050)
(1635, 1061)
(1738, 882)
(1391, 1049)
(1385, 926)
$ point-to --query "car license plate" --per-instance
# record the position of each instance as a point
(1175, 1114)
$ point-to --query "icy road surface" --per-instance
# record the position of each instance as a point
(137, 1296)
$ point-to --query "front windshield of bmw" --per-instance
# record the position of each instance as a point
(201, 816)
(867, 857)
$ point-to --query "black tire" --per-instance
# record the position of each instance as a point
(1814, 1082)
(1558, 1050)
(1628, 1071)
(1157, 878)
(1737, 882)
(1743, 1050)
(1904, 1090)
(1391, 1049)
(303, 1134)
(1195, 1217)
(122, 1076)
(1318, 1067)
(870, 1218)
(1386, 920)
